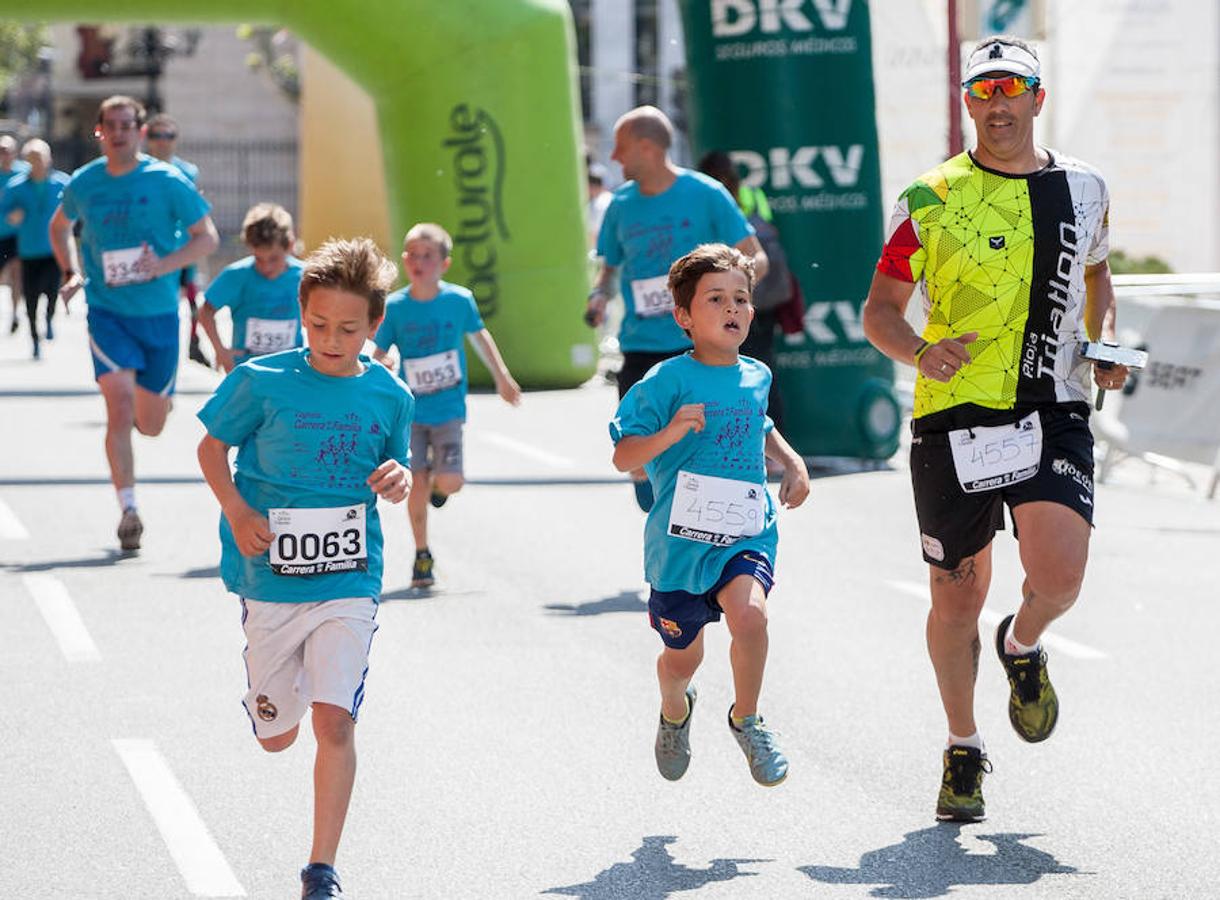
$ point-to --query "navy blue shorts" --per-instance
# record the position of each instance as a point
(678, 616)
(147, 344)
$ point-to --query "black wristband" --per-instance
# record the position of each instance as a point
(919, 351)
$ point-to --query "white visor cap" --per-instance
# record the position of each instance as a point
(999, 56)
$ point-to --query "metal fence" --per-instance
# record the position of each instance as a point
(233, 175)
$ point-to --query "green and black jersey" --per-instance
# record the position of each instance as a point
(1003, 255)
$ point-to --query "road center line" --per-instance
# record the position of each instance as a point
(11, 528)
(203, 866)
(991, 617)
(501, 440)
(62, 617)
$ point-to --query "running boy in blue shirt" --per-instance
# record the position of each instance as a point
(698, 425)
(260, 291)
(427, 321)
(321, 434)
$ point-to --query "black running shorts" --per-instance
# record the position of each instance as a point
(955, 524)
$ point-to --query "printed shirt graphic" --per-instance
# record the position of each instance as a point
(248, 295)
(647, 234)
(38, 200)
(19, 167)
(1003, 255)
(150, 204)
(421, 328)
(731, 446)
(306, 441)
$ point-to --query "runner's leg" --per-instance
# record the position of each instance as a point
(953, 635)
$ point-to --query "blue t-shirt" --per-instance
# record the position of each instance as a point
(268, 302)
(647, 234)
(150, 204)
(191, 171)
(19, 167)
(731, 446)
(429, 336)
(38, 200)
(305, 441)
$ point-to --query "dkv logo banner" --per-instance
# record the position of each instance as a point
(749, 29)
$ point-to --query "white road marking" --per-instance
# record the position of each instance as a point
(11, 528)
(57, 608)
(501, 440)
(203, 866)
(991, 617)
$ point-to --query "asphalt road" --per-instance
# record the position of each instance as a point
(506, 739)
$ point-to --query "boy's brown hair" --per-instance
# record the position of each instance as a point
(356, 266)
(684, 274)
(267, 225)
(119, 100)
(430, 231)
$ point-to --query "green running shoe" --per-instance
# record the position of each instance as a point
(421, 572)
(673, 742)
(1033, 706)
(767, 764)
(961, 787)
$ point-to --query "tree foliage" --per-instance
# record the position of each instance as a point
(20, 44)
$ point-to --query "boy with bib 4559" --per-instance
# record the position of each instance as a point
(321, 434)
(698, 425)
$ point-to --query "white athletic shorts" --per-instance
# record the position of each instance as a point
(302, 653)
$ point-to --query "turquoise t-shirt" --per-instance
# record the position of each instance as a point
(38, 200)
(429, 335)
(191, 171)
(266, 312)
(689, 536)
(150, 204)
(19, 167)
(308, 441)
(647, 234)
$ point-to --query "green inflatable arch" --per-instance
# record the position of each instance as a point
(480, 132)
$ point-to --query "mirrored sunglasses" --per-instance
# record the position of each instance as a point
(1011, 86)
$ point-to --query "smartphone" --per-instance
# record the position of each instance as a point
(1104, 352)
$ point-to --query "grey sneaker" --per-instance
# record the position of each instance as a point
(130, 529)
(768, 766)
(673, 742)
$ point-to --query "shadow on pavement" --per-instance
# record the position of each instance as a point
(624, 601)
(931, 862)
(204, 572)
(108, 559)
(652, 874)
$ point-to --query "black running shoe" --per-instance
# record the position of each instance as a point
(421, 572)
(195, 352)
(438, 499)
(1033, 705)
(961, 787)
(320, 882)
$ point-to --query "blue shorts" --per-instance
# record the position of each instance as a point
(148, 344)
(678, 616)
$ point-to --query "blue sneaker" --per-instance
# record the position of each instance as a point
(768, 766)
(643, 494)
(673, 742)
(320, 882)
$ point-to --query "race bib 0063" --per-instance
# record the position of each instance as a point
(714, 510)
(988, 458)
(318, 541)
